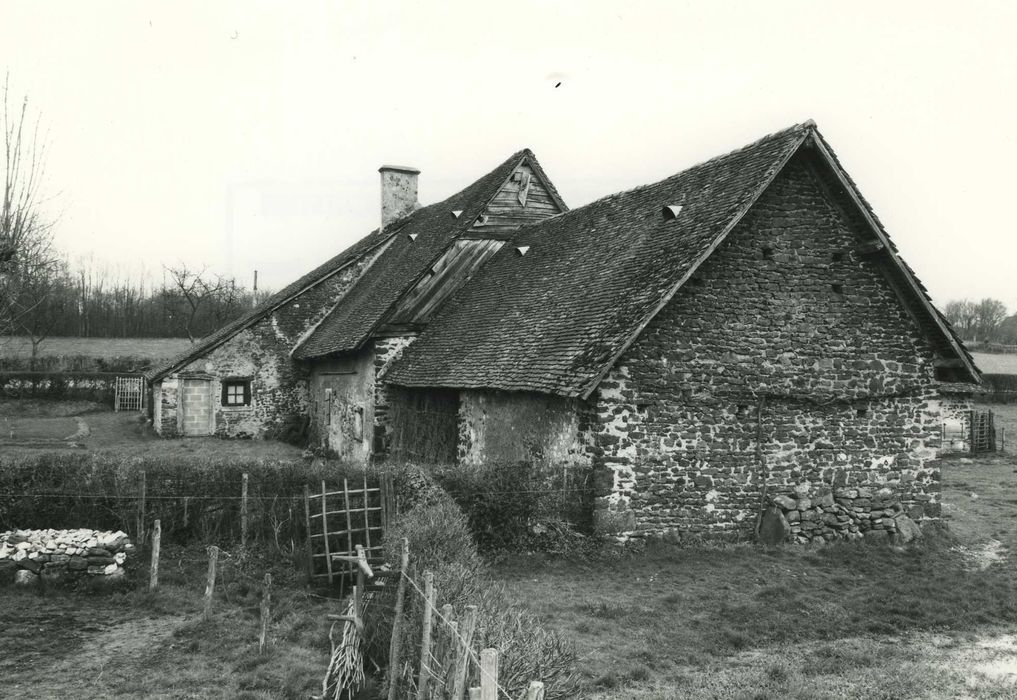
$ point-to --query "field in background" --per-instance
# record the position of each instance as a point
(993, 363)
(151, 348)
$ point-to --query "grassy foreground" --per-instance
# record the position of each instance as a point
(135, 644)
(936, 620)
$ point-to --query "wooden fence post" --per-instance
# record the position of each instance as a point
(489, 674)
(266, 597)
(153, 578)
(461, 664)
(309, 551)
(141, 511)
(243, 511)
(213, 558)
(425, 641)
(394, 649)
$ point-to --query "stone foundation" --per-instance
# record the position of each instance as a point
(851, 513)
(62, 556)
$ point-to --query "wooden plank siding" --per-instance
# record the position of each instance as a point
(502, 217)
(451, 272)
(505, 211)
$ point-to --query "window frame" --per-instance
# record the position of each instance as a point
(228, 390)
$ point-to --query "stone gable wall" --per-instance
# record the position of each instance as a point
(836, 381)
(261, 353)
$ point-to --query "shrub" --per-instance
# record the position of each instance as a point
(293, 430)
(439, 539)
(513, 506)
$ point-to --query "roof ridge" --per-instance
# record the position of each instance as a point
(472, 199)
(806, 126)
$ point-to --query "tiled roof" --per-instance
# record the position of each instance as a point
(398, 268)
(555, 319)
(213, 340)
(552, 319)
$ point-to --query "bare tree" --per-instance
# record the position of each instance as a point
(961, 314)
(192, 291)
(26, 252)
(989, 314)
(50, 298)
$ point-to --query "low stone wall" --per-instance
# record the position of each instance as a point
(61, 556)
(851, 513)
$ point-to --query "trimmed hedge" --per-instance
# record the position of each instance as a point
(121, 364)
(196, 499)
(93, 386)
(1002, 388)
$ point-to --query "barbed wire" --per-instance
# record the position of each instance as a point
(205, 497)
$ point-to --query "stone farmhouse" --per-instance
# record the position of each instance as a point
(739, 334)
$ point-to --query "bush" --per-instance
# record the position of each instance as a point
(293, 430)
(513, 506)
(440, 542)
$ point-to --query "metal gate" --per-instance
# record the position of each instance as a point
(129, 394)
(339, 519)
(983, 431)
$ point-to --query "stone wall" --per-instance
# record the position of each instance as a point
(787, 358)
(261, 353)
(62, 556)
(386, 351)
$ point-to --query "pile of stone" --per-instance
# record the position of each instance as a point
(827, 514)
(54, 556)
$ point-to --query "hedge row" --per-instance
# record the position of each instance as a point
(93, 386)
(77, 363)
(508, 506)
(1001, 388)
(195, 498)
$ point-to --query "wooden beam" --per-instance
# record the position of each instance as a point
(870, 248)
(947, 362)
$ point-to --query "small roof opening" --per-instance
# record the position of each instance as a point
(456, 213)
(413, 236)
(671, 211)
(522, 250)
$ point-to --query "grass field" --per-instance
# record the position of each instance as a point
(851, 620)
(992, 363)
(30, 426)
(151, 348)
(936, 620)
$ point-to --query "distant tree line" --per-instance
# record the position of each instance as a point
(90, 301)
(41, 295)
(986, 321)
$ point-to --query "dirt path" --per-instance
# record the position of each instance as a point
(99, 655)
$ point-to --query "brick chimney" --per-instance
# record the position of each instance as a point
(398, 192)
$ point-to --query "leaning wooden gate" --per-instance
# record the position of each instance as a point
(339, 518)
(982, 425)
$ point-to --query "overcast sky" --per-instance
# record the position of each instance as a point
(248, 135)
